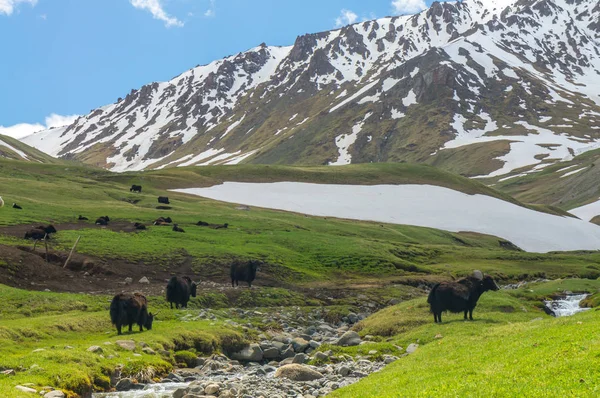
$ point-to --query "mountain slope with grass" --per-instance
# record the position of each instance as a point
(11, 148)
(480, 88)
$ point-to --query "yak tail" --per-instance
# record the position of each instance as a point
(117, 309)
(432, 293)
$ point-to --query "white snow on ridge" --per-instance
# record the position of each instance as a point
(587, 212)
(420, 205)
(344, 142)
(15, 150)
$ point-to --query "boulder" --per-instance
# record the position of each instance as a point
(271, 353)
(128, 345)
(95, 348)
(26, 389)
(144, 280)
(412, 348)
(299, 344)
(300, 358)
(252, 353)
(296, 372)
(55, 394)
(149, 351)
(321, 356)
(212, 389)
(8, 372)
(125, 385)
(350, 338)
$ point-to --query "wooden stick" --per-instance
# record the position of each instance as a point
(46, 243)
(72, 251)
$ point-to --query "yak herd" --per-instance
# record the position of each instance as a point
(128, 309)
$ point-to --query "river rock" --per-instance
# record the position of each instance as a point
(412, 348)
(95, 348)
(128, 281)
(144, 280)
(271, 353)
(124, 385)
(300, 358)
(128, 345)
(148, 351)
(288, 353)
(252, 353)
(350, 338)
(296, 372)
(321, 356)
(212, 389)
(8, 372)
(299, 344)
(26, 389)
(55, 394)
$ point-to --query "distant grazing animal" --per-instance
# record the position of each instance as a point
(244, 271)
(1, 202)
(102, 220)
(127, 309)
(139, 226)
(177, 229)
(16, 206)
(36, 234)
(40, 232)
(202, 224)
(179, 291)
(82, 218)
(459, 296)
(136, 189)
(224, 226)
(164, 200)
(162, 221)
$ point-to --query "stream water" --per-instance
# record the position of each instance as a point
(567, 306)
(162, 390)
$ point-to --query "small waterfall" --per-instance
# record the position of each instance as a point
(567, 306)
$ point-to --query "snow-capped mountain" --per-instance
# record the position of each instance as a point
(482, 88)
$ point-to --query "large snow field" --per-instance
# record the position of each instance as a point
(587, 212)
(420, 205)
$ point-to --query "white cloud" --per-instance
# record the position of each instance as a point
(211, 12)
(408, 6)
(156, 9)
(7, 7)
(346, 17)
(24, 129)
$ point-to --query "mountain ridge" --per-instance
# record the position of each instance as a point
(422, 88)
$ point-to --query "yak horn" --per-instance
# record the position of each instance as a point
(478, 274)
(156, 313)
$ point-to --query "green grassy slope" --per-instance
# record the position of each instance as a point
(31, 153)
(297, 247)
(511, 349)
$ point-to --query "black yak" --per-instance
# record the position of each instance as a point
(82, 218)
(177, 229)
(224, 226)
(139, 226)
(179, 290)
(163, 200)
(40, 232)
(102, 220)
(16, 206)
(202, 224)
(136, 189)
(244, 271)
(127, 309)
(163, 221)
(459, 296)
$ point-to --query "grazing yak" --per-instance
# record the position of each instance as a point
(127, 309)
(40, 232)
(244, 271)
(459, 296)
(224, 226)
(179, 290)
(136, 189)
(16, 206)
(163, 200)
(102, 220)
(82, 218)
(139, 226)
(162, 221)
(177, 229)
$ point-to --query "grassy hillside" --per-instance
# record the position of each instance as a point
(511, 349)
(555, 185)
(23, 152)
(296, 248)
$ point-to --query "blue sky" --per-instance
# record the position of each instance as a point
(66, 57)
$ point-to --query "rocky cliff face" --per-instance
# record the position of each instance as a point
(478, 87)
